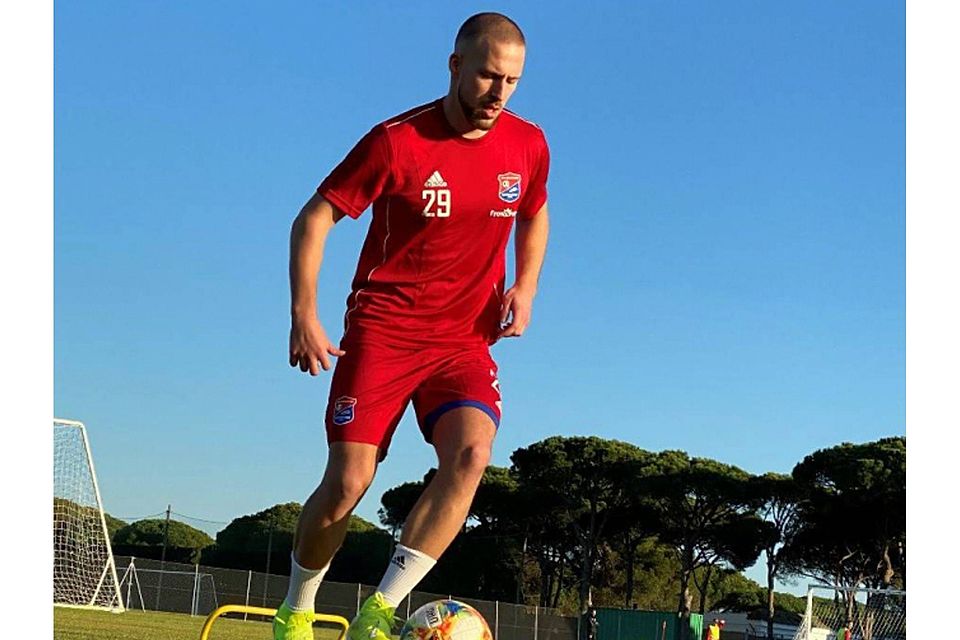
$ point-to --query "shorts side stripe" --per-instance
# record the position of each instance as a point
(431, 420)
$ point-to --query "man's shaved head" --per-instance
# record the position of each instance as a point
(493, 26)
(485, 67)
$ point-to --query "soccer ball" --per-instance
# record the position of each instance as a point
(446, 620)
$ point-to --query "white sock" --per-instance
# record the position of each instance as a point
(302, 592)
(406, 569)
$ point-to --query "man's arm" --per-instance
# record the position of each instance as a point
(531, 246)
(308, 341)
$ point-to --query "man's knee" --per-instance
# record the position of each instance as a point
(464, 439)
(471, 459)
(344, 489)
(351, 484)
(350, 470)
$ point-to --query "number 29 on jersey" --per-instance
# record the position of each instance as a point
(436, 203)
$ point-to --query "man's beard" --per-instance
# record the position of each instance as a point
(475, 114)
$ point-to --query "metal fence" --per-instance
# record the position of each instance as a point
(199, 589)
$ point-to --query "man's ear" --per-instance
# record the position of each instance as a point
(454, 63)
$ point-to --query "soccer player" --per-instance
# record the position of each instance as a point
(447, 181)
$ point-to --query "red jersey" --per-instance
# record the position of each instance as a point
(431, 271)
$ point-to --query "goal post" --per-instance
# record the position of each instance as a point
(851, 613)
(84, 571)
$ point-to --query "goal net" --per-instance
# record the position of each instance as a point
(84, 573)
(843, 613)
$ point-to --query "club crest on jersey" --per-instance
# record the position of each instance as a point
(343, 410)
(508, 185)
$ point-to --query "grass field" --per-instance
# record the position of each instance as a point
(77, 624)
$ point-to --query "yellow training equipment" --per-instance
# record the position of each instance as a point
(261, 611)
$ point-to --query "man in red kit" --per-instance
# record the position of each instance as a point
(447, 180)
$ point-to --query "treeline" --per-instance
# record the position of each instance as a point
(584, 518)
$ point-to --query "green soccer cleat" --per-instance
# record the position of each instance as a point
(374, 622)
(292, 625)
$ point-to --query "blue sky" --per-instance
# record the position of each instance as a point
(726, 273)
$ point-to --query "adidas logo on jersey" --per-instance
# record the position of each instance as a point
(435, 180)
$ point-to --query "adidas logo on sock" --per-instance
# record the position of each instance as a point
(435, 180)
(399, 561)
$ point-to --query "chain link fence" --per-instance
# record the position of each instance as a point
(199, 589)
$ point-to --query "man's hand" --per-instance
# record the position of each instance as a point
(309, 343)
(516, 307)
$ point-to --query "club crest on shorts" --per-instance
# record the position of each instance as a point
(343, 410)
(509, 186)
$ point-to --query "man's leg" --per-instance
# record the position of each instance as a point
(320, 532)
(370, 389)
(458, 408)
(323, 522)
(463, 438)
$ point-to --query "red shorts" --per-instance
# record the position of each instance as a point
(373, 384)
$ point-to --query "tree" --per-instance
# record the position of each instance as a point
(626, 545)
(495, 504)
(633, 534)
(113, 524)
(494, 544)
(700, 505)
(144, 538)
(656, 569)
(398, 503)
(732, 591)
(730, 546)
(781, 501)
(853, 518)
(252, 536)
(583, 480)
(545, 543)
(854, 511)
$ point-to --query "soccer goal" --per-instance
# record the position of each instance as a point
(844, 613)
(84, 573)
(171, 589)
